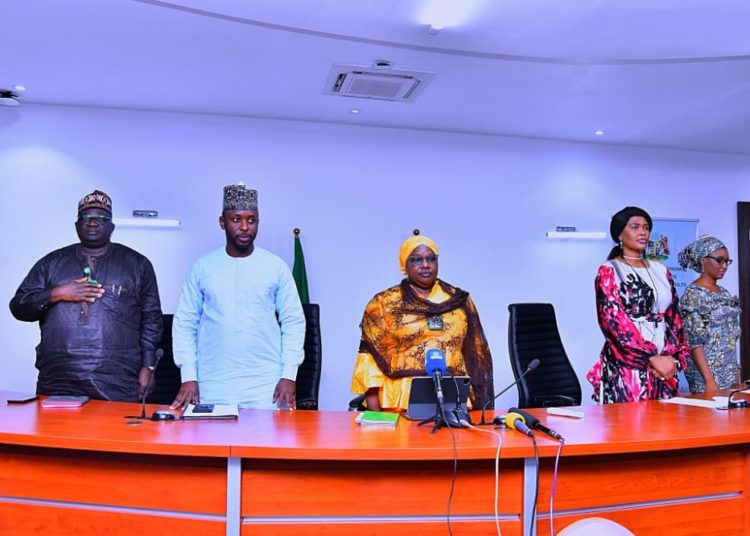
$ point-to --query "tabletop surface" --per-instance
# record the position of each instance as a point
(333, 435)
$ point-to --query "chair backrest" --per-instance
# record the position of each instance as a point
(595, 526)
(533, 334)
(167, 380)
(308, 374)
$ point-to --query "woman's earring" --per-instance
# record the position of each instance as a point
(620, 244)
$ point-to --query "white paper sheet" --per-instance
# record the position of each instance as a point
(699, 402)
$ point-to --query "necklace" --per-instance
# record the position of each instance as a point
(634, 258)
(655, 305)
(655, 290)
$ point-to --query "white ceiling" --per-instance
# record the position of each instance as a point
(667, 73)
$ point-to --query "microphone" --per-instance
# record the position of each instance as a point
(435, 367)
(534, 423)
(731, 404)
(159, 354)
(517, 422)
(531, 366)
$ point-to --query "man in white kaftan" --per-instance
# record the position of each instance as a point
(239, 327)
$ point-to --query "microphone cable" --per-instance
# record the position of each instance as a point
(461, 416)
(497, 470)
(532, 526)
(441, 414)
(553, 488)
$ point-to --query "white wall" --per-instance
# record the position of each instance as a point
(356, 193)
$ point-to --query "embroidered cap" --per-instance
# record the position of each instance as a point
(96, 199)
(239, 197)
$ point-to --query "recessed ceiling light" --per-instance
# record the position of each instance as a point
(355, 111)
(440, 14)
(20, 87)
(599, 133)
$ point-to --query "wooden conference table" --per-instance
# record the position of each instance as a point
(656, 468)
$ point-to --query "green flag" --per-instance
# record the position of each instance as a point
(299, 272)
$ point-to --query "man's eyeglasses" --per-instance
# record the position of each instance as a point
(97, 219)
(720, 260)
(416, 261)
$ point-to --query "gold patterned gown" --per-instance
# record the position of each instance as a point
(398, 326)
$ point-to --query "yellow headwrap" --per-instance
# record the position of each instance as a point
(412, 243)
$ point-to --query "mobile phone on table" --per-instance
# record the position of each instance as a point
(20, 398)
(203, 408)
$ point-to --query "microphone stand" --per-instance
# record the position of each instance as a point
(531, 366)
(451, 418)
(142, 416)
(743, 403)
(733, 404)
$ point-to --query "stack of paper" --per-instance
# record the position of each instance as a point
(716, 403)
(377, 419)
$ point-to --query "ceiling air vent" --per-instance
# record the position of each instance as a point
(383, 84)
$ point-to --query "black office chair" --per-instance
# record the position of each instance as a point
(358, 403)
(308, 374)
(167, 378)
(533, 334)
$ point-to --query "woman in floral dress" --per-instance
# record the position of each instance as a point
(637, 307)
(712, 318)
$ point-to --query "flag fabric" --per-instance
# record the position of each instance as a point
(298, 271)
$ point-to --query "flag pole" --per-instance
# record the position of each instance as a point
(298, 271)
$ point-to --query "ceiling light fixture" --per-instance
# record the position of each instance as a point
(576, 235)
(8, 98)
(355, 111)
(20, 88)
(599, 133)
(441, 14)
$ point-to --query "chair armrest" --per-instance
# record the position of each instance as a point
(357, 403)
(307, 404)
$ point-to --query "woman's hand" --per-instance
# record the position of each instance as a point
(711, 386)
(373, 399)
(663, 367)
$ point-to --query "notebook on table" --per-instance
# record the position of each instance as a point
(422, 399)
(377, 419)
(211, 411)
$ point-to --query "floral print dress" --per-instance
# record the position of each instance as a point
(639, 317)
(712, 321)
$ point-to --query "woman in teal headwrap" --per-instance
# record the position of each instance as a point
(711, 317)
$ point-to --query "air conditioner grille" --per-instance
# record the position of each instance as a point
(384, 89)
(387, 84)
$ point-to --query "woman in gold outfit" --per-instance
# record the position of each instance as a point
(402, 322)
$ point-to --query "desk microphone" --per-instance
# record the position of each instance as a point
(159, 354)
(534, 423)
(517, 422)
(435, 367)
(531, 366)
(732, 404)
